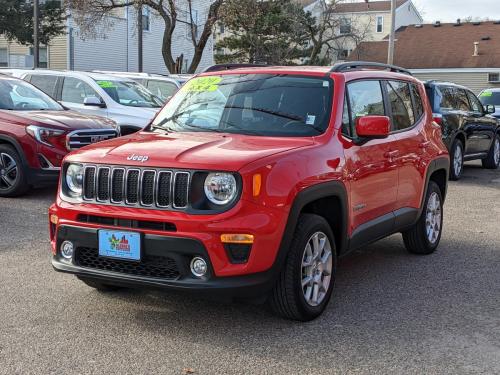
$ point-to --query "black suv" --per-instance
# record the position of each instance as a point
(469, 130)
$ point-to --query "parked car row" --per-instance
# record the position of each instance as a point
(44, 114)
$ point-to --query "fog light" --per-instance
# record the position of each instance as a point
(198, 267)
(67, 249)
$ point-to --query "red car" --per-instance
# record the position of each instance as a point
(36, 132)
(252, 182)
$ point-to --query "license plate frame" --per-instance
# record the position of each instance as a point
(119, 244)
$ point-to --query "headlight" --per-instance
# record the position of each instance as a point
(74, 179)
(220, 188)
(44, 135)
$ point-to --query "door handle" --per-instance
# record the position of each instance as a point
(424, 144)
(391, 154)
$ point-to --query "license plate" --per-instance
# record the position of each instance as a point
(121, 245)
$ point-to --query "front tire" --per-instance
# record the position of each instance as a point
(306, 280)
(13, 181)
(492, 161)
(456, 160)
(423, 238)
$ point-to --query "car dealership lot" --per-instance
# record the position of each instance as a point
(392, 312)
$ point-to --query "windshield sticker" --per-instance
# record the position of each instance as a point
(106, 84)
(202, 84)
(487, 93)
(310, 120)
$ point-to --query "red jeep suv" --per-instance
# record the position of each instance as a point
(252, 182)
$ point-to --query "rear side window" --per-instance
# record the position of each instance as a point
(417, 100)
(162, 89)
(446, 98)
(46, 83)
(401, 106)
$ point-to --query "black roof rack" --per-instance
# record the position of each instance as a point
(220, 67)
(358, 65)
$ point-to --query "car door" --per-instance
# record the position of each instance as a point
(370, 166)
(484, 125)
(471, 123)
(408, 121)
(74, 91)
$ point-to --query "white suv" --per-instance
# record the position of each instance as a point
(123, 100)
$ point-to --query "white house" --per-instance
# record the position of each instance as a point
(113, 46)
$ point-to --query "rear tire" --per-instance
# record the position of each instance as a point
(456, 160)
(492, 161)
(306, 280)
(423, 238)
(98, 285)
(13, 180)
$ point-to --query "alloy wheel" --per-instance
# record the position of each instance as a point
(458, 160)
(433, 218)
(8, 171)
(496, 151)
(317, 265)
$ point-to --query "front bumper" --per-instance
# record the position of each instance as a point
(194, 235)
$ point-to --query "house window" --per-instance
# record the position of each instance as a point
(42, 51)
(342, 54)
(4, 57)
(146, 18)
(221, 28)
(380, 24)
(345, 26)
(494, 77)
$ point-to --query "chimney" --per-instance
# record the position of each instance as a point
(459, 22)
(476, 49)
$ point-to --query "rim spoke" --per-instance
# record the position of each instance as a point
(306, 281)
(11, 169)
(8, 183)
(315, 293)
(308, 293)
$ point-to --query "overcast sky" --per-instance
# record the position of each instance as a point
(450, 10)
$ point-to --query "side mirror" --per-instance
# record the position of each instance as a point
(373, 127)
(489, 108)
(94, 101)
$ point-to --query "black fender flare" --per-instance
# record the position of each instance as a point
(14, 143)
(454, 136)
(322, 190)
(440, 163)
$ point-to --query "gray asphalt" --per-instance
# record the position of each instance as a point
(391, 313)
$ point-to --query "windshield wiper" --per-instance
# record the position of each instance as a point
(290, 116)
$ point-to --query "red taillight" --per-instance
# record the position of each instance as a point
(437, 118)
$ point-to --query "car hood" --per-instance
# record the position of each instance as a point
(194, 150)
(67, 120)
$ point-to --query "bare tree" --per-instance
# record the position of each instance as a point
(328, 35)
(89, 13)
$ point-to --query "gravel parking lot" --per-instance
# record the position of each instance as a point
(392, 312)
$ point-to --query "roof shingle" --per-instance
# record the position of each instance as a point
(370, 6)
(446, 46)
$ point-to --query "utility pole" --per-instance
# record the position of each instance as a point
(392, 36)
(36, 29)
(139, 36)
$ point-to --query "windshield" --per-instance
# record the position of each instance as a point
(19, 95)
(490, 97)
(258, 104)
(129, 93)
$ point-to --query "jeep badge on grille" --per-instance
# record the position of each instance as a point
(141, 158)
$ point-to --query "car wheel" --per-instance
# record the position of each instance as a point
(456, 160)
(423, 238)
(306, 280)
(492, 161)
(12, 173)
(102, 287)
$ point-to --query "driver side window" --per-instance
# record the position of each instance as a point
(75, 91)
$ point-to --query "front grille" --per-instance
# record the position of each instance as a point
(136, 187)
(80, 138)
(160, 267)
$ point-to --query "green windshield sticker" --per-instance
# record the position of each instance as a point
(202, 84)
(487, 93)
(106, 84)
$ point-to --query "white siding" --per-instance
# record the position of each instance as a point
(117, 49)
(406, 15)
(476, 81)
